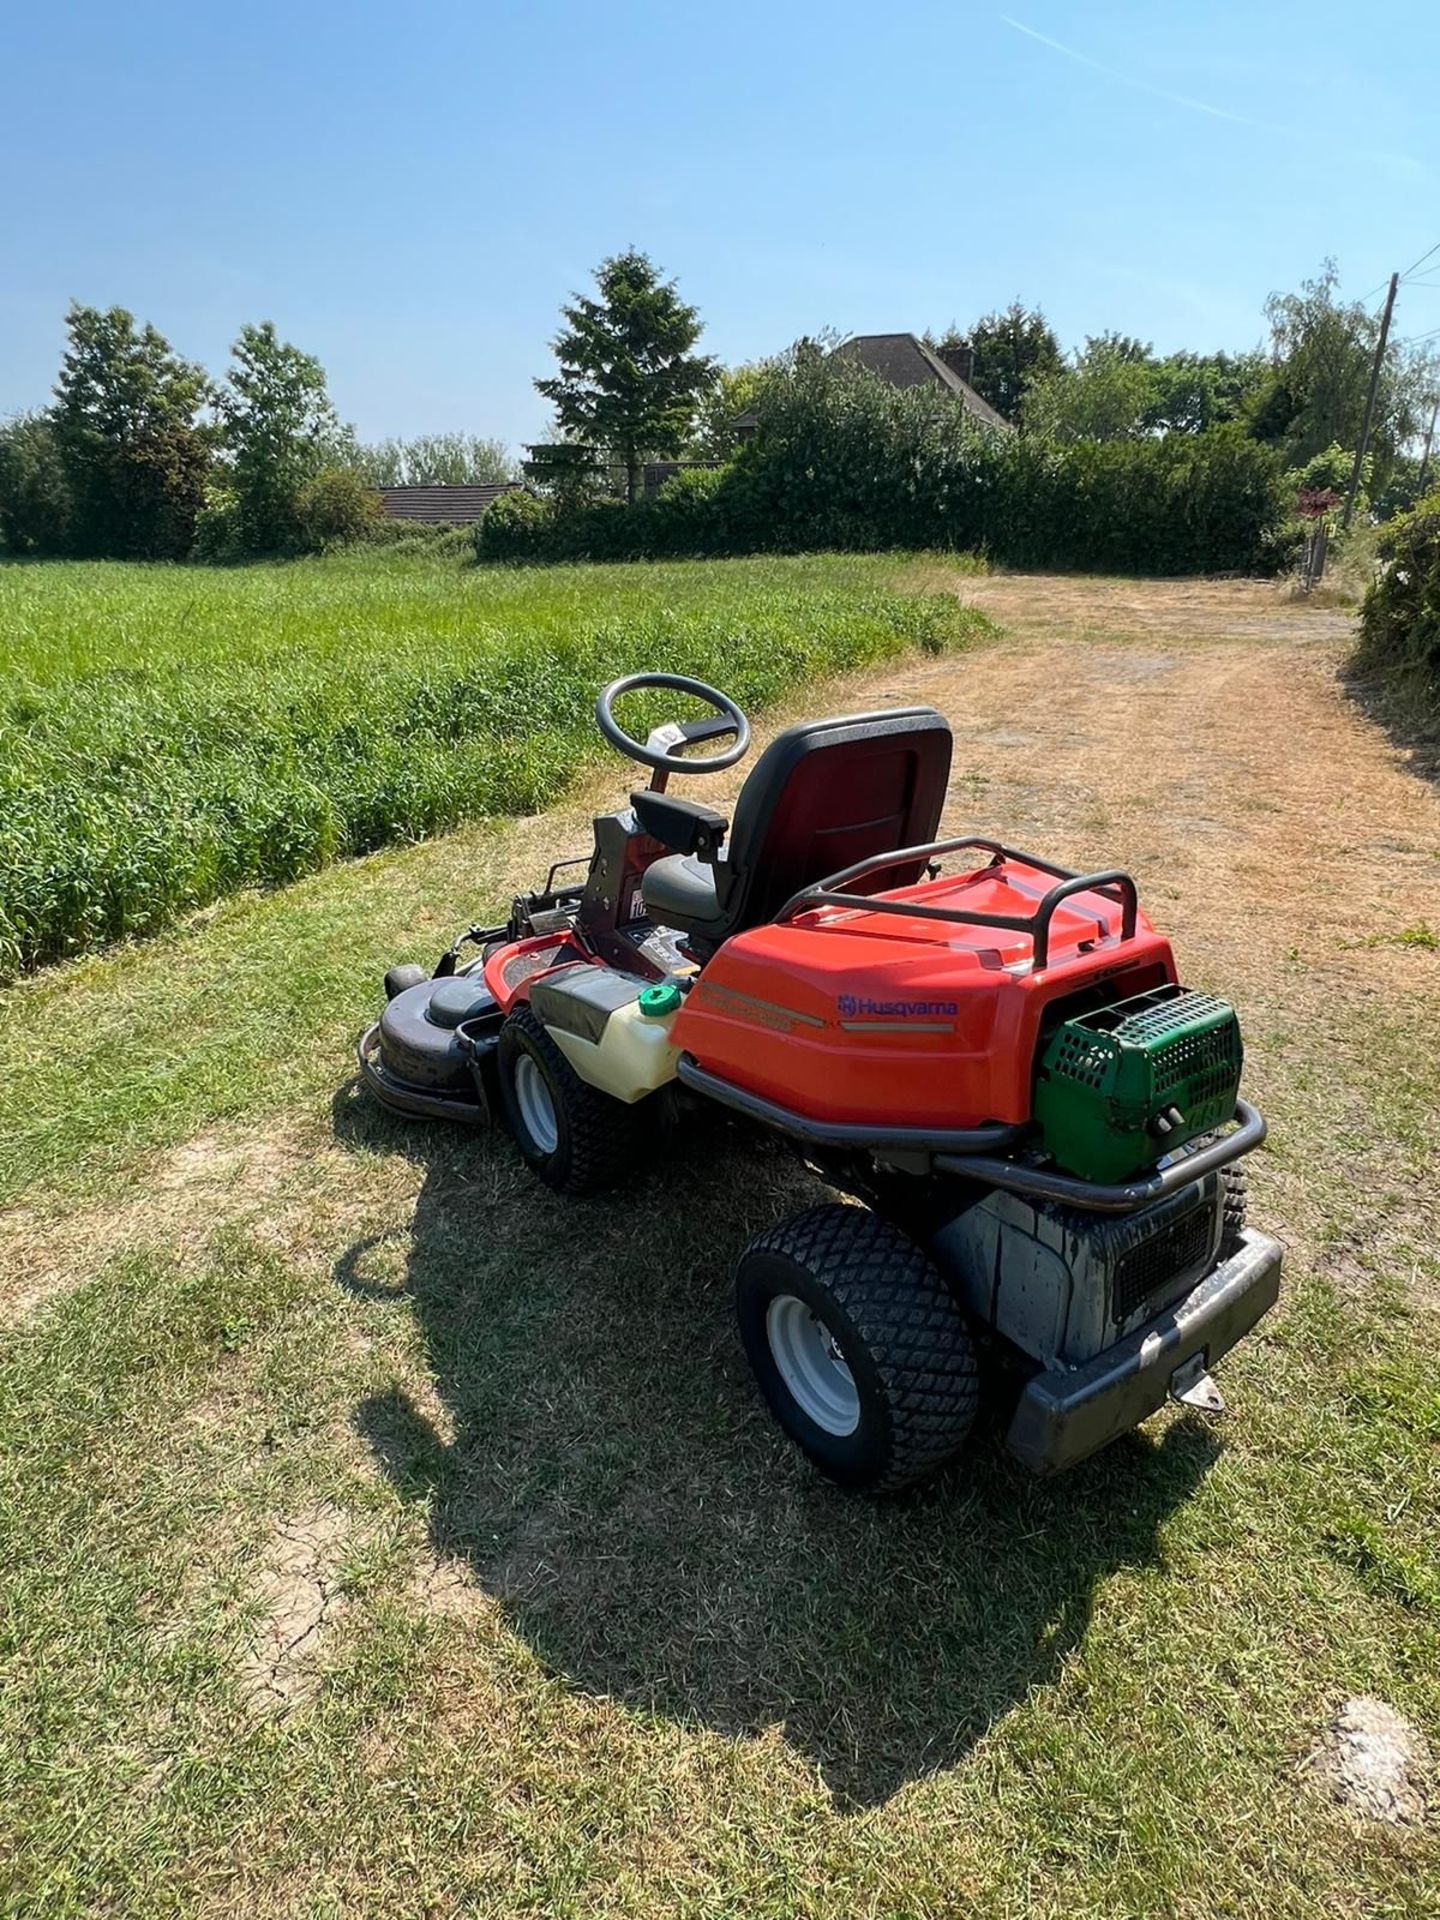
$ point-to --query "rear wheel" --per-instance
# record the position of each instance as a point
(577, 1139)
(858, 1346)
(1234, 1197)
(1234, 1188)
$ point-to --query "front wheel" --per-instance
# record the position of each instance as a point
(858, 1347)
(577, 1139)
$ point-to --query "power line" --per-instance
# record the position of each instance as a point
(1421, 261)
(1381, 285)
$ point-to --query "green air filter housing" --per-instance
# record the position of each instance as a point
(1121, 1086)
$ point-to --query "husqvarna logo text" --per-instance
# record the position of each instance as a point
(850, 1004)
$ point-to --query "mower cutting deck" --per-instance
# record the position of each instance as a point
(1042, 1125)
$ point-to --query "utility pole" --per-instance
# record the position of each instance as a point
(1370, 404)
(1425, 457)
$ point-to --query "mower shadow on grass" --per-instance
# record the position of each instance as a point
(616, 1485)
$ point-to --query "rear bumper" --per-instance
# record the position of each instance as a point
(1068, 1413)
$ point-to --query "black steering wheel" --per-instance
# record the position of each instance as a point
(661, 750)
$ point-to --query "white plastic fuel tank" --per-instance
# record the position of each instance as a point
(613, 1028)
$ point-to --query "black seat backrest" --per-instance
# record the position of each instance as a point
(827, 794)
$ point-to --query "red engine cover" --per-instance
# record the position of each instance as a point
(848, 1015)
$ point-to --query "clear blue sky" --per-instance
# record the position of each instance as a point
(410, 192)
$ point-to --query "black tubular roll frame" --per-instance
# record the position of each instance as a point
(970, 1151)
(1113, 884)
(993, 1137)
(1042, 1183)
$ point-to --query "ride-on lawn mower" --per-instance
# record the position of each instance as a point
(1043, 1128)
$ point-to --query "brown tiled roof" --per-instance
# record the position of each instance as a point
(903, 360)
(455, 506)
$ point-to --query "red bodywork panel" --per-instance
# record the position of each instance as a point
(847, 1015)
(510, 969)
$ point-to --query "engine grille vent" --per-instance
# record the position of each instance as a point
(1107, 1078)
(1146, 1269)
(1201, 1066)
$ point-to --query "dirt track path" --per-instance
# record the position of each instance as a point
(1204, 738)
(1198, 732)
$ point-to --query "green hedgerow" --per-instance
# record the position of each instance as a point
(1400, 620)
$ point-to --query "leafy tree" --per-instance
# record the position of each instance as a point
(35, 501)
(735, 393)
(628, 378)
(436, 460)
(281, 431)
(568, 472)
(1013, 349)
(335, 508)
(1271, 408)
(1111, 346)
(1328, 471)
(1197, 391)
(1107, 394)
(1409, 482)
(1116, 388)
(1322, 350)
(217, 525)
(515, 527)
(1318, 488)
(134, 454)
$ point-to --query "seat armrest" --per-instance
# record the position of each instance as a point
(683, 825)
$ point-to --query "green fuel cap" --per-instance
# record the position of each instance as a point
(657, 1002)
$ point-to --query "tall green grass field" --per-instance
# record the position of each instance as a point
(170, 735)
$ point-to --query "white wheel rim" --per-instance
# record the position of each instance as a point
(537, 1108)
(811, 1365)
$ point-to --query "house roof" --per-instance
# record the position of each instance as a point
(904, 360)
(454, 506)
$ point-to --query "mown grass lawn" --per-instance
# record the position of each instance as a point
(381, 1534)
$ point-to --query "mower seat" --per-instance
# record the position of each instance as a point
(822, 796)
(680, 889)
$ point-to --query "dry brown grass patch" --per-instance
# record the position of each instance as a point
(299, 1597)
(1373, 1763)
